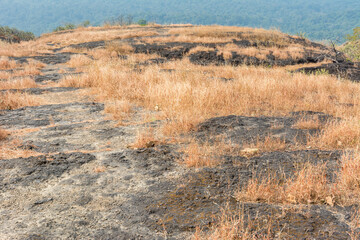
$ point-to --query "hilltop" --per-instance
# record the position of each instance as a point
(320, 20)
(178, 132)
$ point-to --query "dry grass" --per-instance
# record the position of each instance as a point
(118, 48)
(269, 144)
(10, 101)
(197, 155)
(5, 63)
(206, 154)
(18, 83)
(3, 134)
(307, 124)
(200, 49)
(187, 96)
(28, 70)
(99, 169)
(119, 109)
(95, 34)
(232, 226)
(338, 135)
(228, 33)
(145, 139)
(309, 185)
(11, 149)
(35, 64)
(79, 60)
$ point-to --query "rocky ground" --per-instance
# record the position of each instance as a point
(87, 183)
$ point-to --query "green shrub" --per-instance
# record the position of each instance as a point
(142, 22)
(67, 26)
(352, 47)
(15, 35)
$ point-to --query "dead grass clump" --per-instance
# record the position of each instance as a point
(118, 109)
(79, 60)
(11, 149)
(19, 83)
(10, 101)
(199, 155)
(5, 63)
(208, 154)
(72, 81)
(338, 135)
(99, 169)
(146, 139)
(269, 144)
(35, 63)
(117, 48)
(200, 49)
(308, 186)
(307, 124)
(348, 180)
(28, 70)
(3, 134)
(234, 226)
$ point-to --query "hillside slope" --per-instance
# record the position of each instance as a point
(177, 132)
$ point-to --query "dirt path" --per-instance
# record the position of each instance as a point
(76, 189)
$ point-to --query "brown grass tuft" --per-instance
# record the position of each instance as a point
(99, 169)
(307, 124)
(11, 149)
(234, 226)
(19, 83)
(3, 134)
(308, 186)
(10, 101)
(117, 48)
(146, 139)
(79, 60)
(118, 109)
(197, 155)
(338, 135)
(5, 63)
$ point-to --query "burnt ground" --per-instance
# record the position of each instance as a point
(347, 70)
(85, 182)
(178, 50)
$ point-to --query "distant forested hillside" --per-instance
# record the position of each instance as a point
(318, 19)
